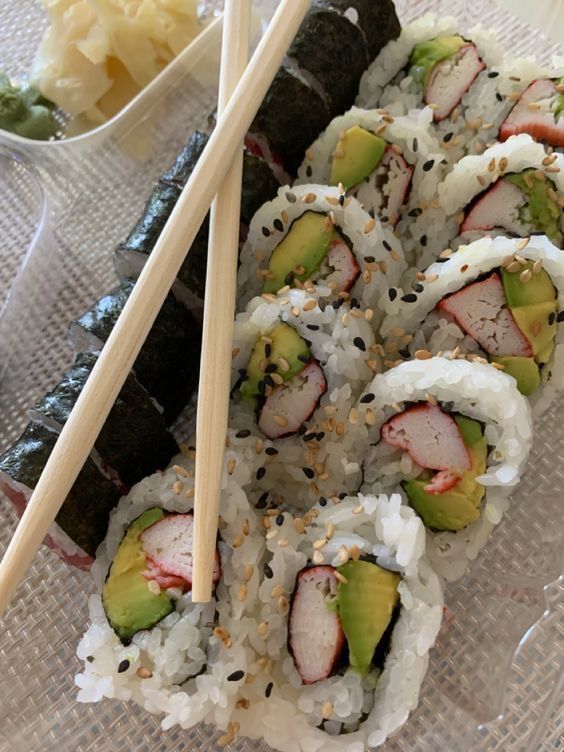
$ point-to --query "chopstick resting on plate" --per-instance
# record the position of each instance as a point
(118, 355)
(219, 306)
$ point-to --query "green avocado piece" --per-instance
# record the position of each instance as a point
(427, 54)
(365, 604)
(39, 125)
(544, 355)
(286, 343)
(534, 321)
(539, 288)
(540, 210)
(304, 247)
(559, 107)
(525, 371)
(129, 604)
(357, 155)
(458, 507)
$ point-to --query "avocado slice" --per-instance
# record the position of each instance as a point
(286, 344)
(539, 288)
(365, 604)
(533, 321)
(458, 507)
(525, 371)
(427, 54)
(129, 604)
(540, 210)
(357, 156)
(304, 247)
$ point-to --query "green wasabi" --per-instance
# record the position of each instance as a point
(24, 111)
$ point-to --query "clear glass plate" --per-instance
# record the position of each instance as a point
(495, 680)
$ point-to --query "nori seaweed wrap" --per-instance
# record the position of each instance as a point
(186, 160)
(333, 50)
(377, 19)
(133, 441)
(259, 185)
(168, 363)
(155, 214)
(290, 118)
(85, 511)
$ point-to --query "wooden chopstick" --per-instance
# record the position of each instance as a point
(118, 355)
(219, 310)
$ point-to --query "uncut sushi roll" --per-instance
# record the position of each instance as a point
(391, 165)
(147, 642)
(347, 611)
(297, 371)
(315, 237)
(515, 188)
(454, 436)
(432, 64)
(498, 299)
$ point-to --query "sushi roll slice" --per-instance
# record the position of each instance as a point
(348, 609)
(167, 364)
(515, 188)
(432, 64)
(297, 371)
(316, 238)
(133, 441)
(147, 641)
(454, 436)
(497, 299)
(82, 521)
(391, 165)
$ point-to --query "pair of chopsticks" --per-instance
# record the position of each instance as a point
(122, 347)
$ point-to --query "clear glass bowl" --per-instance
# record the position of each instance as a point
(495, 679)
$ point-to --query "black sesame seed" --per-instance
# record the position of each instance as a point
(320, 436)
(236, 676)
(280, 520)
(267, 349)
(392, 293)
(551, 318)
(404, 353)
(440, 260)
(261, 503)
(417, 287)
(302, 429)
(266, 232)
(354, 303)
(261, 386)
(304, 358)
(278, 224)
(268, 690)
(371, 259)
(372, 212)
(447, 137)
(261, 472)
(560, 317)
(342, 495)
(322, 501)
(386, 245)
(493, 74)
(271, 368)
(423, 240)
(383, 218)
(498, 96)
(415, 144)
(90, 658)
(359, 342)
(367, 398)
(309, 436)
(290, 197)
(268, 573)
(312, 327)
(271, 451)
(309, 171)
(428, 165)
(444, 162)
(269, 381)
(289, 278)
(409, 298)
(242, 372)
(123, 666)
(415, 212)
(341, 199)
(337, 303)
(243, 433)
(308, 472)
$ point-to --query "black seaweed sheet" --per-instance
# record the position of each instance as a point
(377, 19)
(169, 362)
(133, 441)
(85, 511)
(332, 49)
(290, 118)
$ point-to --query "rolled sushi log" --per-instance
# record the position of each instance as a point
(454, 436)
(133, 442)
(147, 642)
(393, 166)
(432, 64)
(514, 188)
(315, 237)
(297, 371)
(82, 521)
(347, 610)
(498, 299)
(167, 364)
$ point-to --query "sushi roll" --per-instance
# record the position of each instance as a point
(497, 299)
(82, 521)
(147, 641)
(348, 609)
(432, 64)
(167, 364)
(315, 237)
(515, 188)
(454, 436)
(391, 165)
